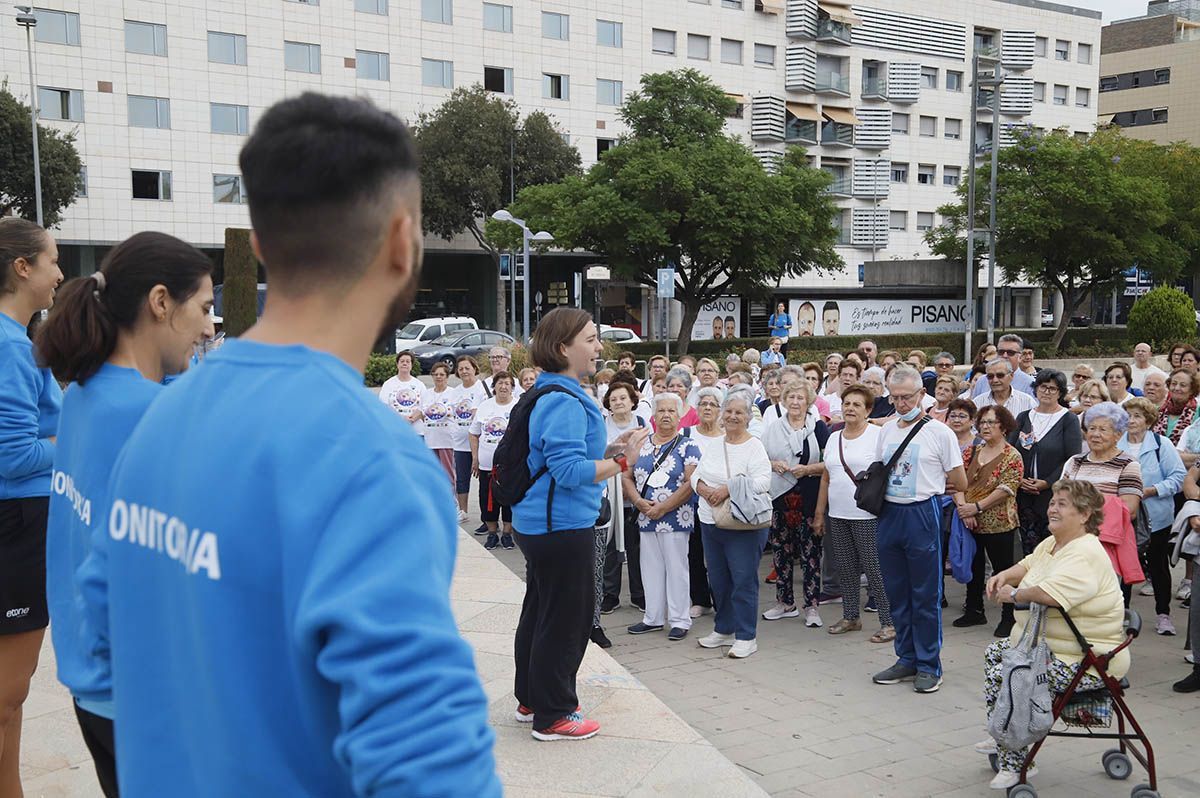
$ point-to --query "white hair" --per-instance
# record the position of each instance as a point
(681, 373)
(740, 393)
(904, 373)
(1111, 411)
(710, 390)
(664, 396)
(1000, 361)
(875, 371)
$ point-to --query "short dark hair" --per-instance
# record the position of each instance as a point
(830, 305)
(965, 405)
(627, 355)
(624, 385)
(468, 359)
(1056, 377)
(503, 375)
(320, 175)
(406, 354)
(847, 363)
(1005, 418)
(557, 328)
(1124, 369)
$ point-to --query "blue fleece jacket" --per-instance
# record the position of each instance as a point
(30, 400)
(278, 594)
(97, 419)
(566, 434)
(1163, 470)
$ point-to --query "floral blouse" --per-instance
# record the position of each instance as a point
(665, 481)
(1004, 472)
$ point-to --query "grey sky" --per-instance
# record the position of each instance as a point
(1113, 9)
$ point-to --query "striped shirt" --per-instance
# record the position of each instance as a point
(1120, 476)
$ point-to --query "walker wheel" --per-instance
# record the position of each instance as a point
(994, 761)
(1116, 764)
(1022, 791)
(1144, 791)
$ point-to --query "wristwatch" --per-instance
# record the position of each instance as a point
(621, 460)
(1012, 595)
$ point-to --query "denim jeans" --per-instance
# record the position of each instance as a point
(732, 557)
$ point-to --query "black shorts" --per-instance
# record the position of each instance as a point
(23, 565)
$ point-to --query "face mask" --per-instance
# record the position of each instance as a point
(911, 414)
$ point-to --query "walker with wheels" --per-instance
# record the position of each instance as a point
(1094, 709)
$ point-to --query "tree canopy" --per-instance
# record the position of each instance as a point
(60, 165)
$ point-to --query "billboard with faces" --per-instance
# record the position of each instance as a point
(721, 318)
(819, 317)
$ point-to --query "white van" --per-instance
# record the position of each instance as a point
(422, 331)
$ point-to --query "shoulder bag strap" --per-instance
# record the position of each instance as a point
(487, 389)
(842, 455)
(657, 463)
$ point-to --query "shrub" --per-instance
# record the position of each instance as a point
(381, 366)
(1163, 316)
(239, 306)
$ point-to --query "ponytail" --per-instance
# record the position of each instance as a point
(90, 313)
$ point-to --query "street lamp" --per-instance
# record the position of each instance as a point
(526, 236)
(994, 82)
(27, 20)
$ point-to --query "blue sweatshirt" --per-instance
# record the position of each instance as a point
(97, 419)
(567, 435)
(30, 400)
(278, 593)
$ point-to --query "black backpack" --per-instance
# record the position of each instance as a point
(511, 479)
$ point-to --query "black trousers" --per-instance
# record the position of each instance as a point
(98, 736)
(494, 511)
(698, 571)
(1158, 562)
(997, 547)
(633, 558)
(556, 620)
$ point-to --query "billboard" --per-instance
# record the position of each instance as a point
(721, 318)
(819, 317)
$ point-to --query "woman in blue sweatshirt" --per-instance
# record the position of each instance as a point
(29, 404)
(555, 525)
(114, 337)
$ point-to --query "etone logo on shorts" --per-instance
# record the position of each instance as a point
(17, 612)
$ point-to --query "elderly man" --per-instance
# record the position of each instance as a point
(868, 347)
(999, 377)
(774, 354)
(499, 359)
(909, 536)
(656, 369)
(1009, 347)
(943, 366)
(1143, 365)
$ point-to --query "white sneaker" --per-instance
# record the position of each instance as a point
(1007, 778)
(812, 618)
(696, 611)
(462, 517)
(1163, 625)
(1185, 589)
(1189, 658)
(743, 648)
(715, 640)
(781, 611)
(1147, 590)
(985, 747)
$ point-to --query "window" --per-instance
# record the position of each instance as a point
(1039, 92)
(555, 87)
(924, 220)
(81, 191)
(498, 79)
(731, 51)
(497, 17)
(151, 185)
(662, 41)
(1162, 76)
(900, 123)
(1062, 50)
(1040, 44)
(149, 112)
(556, 26)
(228, 189)
(951, 175)
(764, 54)
(609, 33)
(926, 174)
(145, 38)
(301, 57)
(603, 146)
(1083, 53)
(1158, 115)
(952, 129)
(64, 105)
(899, 172)
(928, 126)
(898, 220)
(438, 74)
(437, 11)
(698, 46)
(232, 119)
(1060, 94)
(609, 92)
(56, 27)
(954, 80)
(371, 6)
(370, 65)
(226, 48)
(731, 3)
(1083, 97)
(929, 77)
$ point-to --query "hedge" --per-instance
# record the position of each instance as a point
(381, 367)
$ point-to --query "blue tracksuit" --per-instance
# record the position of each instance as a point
(278, 594)
(30, 401)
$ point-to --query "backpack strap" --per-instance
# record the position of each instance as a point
(641, 422)
(545, 469)
(487, 389)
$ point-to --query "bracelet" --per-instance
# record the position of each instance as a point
(978, 509)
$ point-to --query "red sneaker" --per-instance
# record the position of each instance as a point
(525, 715)
(572, 727)
(772, 577)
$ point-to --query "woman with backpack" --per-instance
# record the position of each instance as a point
(555, 520)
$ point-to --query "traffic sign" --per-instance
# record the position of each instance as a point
(598, 273)
(666, 283)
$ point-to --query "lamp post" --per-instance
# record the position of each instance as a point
(977, 82)
(28, 21)
(526, 236)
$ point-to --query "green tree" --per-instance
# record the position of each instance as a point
(679, 192)
(239, 296)
(1162, 317)
(1069, 217)
(60, 165)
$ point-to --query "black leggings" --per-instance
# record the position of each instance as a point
(98, 736)
(997, 547)
(489, 508)
(1158, 562)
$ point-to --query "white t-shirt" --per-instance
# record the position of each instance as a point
(489, 424)
(706, 441)
(860, 453)
(1018, 402)
(835, 404)
(465, 403)
(748, 457)
(491, 387)
(613, 430)
(440, 424)
(403, 396)
(1139, 375)
(920, 473)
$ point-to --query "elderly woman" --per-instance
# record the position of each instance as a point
(440, 424)
(1045, 436)
(1162, 477)
(794, 444)
(988, 508)
(882, 408)
(852, 531)
(705, 435)
(1089, 394)
(945, 389)
(620, 402)
(487, 430)
(1117, 378)
(679, 382)
(812, 373)
(1180, 408)
(770, 405)
(707, 375)
(960, 418)
(659, 485)
(732, 555)
(1068, 571)
(1081, 374)
(830, 385)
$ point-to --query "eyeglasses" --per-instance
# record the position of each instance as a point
(709, 404)
(943, 365)
(958, 417)
(987, 422)
(904, 397)
(1008, 352)
(497, 357)
(997, 376)
(1080, 377)
(1048, 386)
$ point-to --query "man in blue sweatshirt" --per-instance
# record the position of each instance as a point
(278, 596)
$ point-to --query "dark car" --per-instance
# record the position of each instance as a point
(1080, 321)
(450, 346)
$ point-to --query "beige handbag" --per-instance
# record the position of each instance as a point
(723, 515)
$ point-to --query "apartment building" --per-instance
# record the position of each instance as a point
(162, 93)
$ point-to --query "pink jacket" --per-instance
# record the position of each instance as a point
(1117, 537)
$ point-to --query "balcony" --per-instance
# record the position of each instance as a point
(843, 236)
(841, 185)
(988, 52)
(837, 134)
(874, 89)
(984, 99)
(829, 30)
(800, 131)
(832, 83)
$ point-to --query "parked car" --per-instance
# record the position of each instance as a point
(423, 331)
(618, 335)
(1047, 318)
(1080, 321)
(450, 346)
